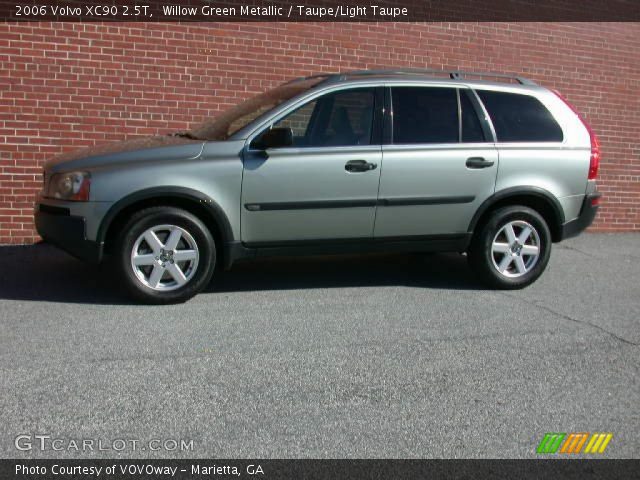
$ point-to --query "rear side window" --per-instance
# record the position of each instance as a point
(520, 118)
(425, 115)
(433, 115)
(471, 127)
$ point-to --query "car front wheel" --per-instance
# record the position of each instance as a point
(166, 255)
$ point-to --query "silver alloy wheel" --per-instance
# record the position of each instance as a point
(165, 257)
(515, 249)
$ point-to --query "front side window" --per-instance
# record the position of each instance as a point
(338, 119)
(425, 115)
(520, 118)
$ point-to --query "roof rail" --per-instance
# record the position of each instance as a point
(311, 77)
(453, 74)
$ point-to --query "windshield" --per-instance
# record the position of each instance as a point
(222, 127)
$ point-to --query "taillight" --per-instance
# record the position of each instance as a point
(594, 162)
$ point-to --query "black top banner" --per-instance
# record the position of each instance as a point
(578, 469)
(320, 10)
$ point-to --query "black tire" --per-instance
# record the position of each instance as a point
(197, 271)
(486, 263)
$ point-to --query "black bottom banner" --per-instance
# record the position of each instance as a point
(320, 469)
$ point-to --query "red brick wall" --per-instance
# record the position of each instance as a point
(66, 85)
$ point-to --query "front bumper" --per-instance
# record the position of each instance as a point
(57, 226)
(587, 214)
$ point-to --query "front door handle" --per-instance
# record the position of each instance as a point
(478, 162)
(359, 166)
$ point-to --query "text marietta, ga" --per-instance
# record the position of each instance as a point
(293, 10)
(135, 469)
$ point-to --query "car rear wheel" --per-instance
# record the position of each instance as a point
(512, 249)
(166, 255)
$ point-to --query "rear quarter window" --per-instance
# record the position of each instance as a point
(520, 118)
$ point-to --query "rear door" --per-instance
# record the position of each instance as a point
(440, 162)
(325, 186)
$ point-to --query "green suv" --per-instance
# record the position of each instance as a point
(409, 160)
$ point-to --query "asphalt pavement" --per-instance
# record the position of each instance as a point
(402, 356)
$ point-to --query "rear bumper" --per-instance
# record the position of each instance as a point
(56, 226)
(587, 214)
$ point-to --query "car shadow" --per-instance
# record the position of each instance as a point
(43, 273)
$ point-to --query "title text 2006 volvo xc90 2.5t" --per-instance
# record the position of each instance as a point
(359, 161)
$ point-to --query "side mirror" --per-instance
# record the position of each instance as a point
(275, 138)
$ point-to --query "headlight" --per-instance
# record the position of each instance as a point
(72, 186)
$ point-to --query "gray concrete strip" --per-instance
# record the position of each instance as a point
(370, 357)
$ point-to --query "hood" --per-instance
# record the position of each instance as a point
(117, 151)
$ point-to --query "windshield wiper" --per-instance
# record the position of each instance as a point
(186, 134)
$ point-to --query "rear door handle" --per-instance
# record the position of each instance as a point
(478, 162)
(359, 166)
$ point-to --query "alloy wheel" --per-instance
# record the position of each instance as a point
(164, 257)
(515, 249)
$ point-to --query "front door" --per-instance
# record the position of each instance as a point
(440, 165)
(325, 185)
